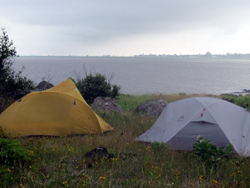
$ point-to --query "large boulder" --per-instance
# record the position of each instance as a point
(43, 85)
(106, 104)
(153, 107)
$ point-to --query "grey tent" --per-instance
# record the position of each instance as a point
(214, 119)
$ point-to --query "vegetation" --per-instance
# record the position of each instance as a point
(11, 153)
(209, 153)
(12, 84)
(96, 85)
(243, 101)
(60, 162)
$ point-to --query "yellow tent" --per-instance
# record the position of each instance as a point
(58, 111)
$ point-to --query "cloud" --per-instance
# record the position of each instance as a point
(96, 22)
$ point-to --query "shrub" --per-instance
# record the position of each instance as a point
(209, 153)
(157, 146)
(11, 152)
(12, 84)
(96, 85)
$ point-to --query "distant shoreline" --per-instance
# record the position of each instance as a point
(224, 57)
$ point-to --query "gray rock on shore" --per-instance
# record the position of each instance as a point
(43, 85)
(106, 104)
(153, 107)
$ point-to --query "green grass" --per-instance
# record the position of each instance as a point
(60, 162)
(130, 102)
(243, 101)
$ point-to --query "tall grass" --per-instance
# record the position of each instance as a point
(60, 162)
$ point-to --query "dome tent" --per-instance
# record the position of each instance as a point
(214, 119)
(58, 111)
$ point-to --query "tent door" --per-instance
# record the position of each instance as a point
(185, 138)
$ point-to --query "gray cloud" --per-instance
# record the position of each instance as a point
(99, 20)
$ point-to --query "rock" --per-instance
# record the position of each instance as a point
(99, 153)
(106, 104)
(43, 85)
(153, 107)
(246, 90)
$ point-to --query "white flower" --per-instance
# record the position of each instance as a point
(198, 137)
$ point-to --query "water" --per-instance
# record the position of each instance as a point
(146, 75)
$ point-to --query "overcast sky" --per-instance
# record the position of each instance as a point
(127, 27)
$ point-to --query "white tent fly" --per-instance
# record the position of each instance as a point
(214, 119)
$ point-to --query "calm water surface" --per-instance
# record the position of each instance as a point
(146, 75)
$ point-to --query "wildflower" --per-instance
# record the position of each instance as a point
(201, 176)
(102, 178)
(148, 148)
(198, 137)
(191, 184)
(214, 181)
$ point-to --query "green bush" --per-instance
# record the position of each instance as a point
(158, 146)
(209, 153)
(12, 84)
(96, 85)
(11, 152)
